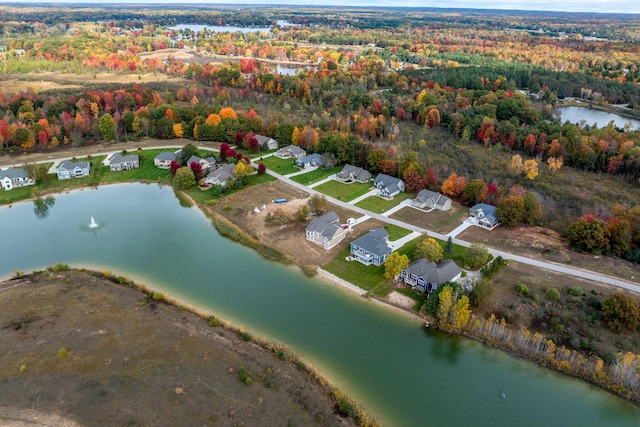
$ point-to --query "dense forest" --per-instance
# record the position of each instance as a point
(464, 103)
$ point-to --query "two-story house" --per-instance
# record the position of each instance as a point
(372, 248)
(326, 230)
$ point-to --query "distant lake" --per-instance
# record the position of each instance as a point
(291, 70)
(220, 28)
(591, 117)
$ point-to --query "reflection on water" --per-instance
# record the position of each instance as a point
(41, 206)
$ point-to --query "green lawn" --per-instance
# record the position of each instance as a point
(396, 232)
(344, 192)
(278, 165)
(315, 175)
(379, 205)
(146, 172)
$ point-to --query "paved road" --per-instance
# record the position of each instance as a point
(546, 265)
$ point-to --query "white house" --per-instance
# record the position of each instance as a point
(11, 178)
(431, 199)
(290, 152)
(485, 215)
(326, 230)
(221, 175)
(119, 162)
(69, 169)
(388, 185)
(266, 143)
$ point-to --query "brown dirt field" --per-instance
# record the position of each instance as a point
(134, 361)
(438, 221)
(545, 244)
(275, 225)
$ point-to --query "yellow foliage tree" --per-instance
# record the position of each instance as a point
(242, 168)
(295, 136)
(394, 264)
(431, 250)
(228, 113)
(461, 314)
(530, 169)
(515, 165)
(213, 119)
(177, 130)
(554, 163)
(445, 305)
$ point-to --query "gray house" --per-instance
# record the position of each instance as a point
(313, 160)
(326, 230)
(266, 143)
(426, 276)
(388, 185)
(69, 169)
(351, 173)
(431, 199)
(372, 248)
(164, 159)
(11, 178)
(221, 175)
(208, 163)
(485, 215)
(124, 163)
(290, 152)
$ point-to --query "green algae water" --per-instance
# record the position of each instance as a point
(402, 374)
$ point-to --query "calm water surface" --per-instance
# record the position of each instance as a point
(591, 117)
(404, 375)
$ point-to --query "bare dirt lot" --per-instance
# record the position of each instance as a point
(81, 350)
(275, 224)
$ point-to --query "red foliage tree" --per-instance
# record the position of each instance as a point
(413, 180)
(173, 167)
(224, 150)
(262, 169)
(432, 179)
(196, 167)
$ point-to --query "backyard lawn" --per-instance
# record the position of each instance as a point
(379, 205)
(396, 232)
(344, 192)
(278, 165)
(315, 175)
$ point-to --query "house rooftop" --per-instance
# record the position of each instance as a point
(13, 173)
(375, 241)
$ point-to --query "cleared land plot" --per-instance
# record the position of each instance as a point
(278, 165)
(315, 175)
(344, 192)
(379, 205)
(438, 221)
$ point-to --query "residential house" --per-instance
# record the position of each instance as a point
(290, 152)
(69, 169)
(208, 163)
(164, 159)
(326, 230)
(313, 160)
(11, 178)
(425, 276)
(119, 162)
(372, 248)
(221, 175)
(485, 215)
(431, 199)
(351, 173)
(388, 185)
(266, 143)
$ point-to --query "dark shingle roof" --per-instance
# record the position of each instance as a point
(432, 272)
(374, 242)
(326, 225)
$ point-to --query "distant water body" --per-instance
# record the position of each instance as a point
(403, 374)
(591, 117)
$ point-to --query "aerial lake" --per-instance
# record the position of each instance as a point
(403, 374)
(220, 28)
(591, 117)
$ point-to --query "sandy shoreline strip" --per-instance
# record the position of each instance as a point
(337, 280)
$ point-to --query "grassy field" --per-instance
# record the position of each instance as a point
(379, 205)
(278, 165)
(315, 175)
(396, 232)
(344, 192)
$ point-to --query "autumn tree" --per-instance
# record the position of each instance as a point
(184, 178)
(262, 168)
(530, 168)
(228, 113)
(476, 256)
(242, 168)
(107, 127)
(317, 204)
(394, 264)
(510, 211)
(515, 165)
(532, 209)
(453, 313)
(621, 313)
(173, 167)
(187, 152)
(554, 163)
(474, 192)
(413, 181)
(589, 234)
(430, 249)
(196, 167)
(453, 185)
